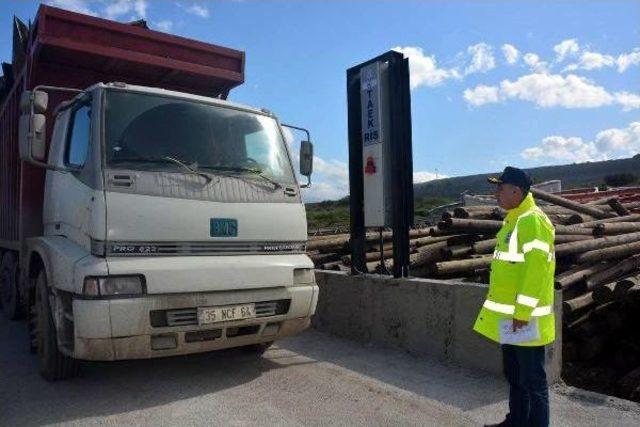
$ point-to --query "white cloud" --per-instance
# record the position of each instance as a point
(610, 143)
(511, 54)
(592, 61)
(79, 6)
(197, 10)
(564, 149)
(552, 90)
(424, 176)
(122, 7)
(625, 60)
(330, 180)
(482, 59)
(622, 141)
(165, 26)
(424, 69)
(629, 101)
(533, 61)
(565, 49)
(547, 90)
(481, 95)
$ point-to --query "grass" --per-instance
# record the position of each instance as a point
(336, 212)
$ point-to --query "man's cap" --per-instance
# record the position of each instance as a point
(513, 176)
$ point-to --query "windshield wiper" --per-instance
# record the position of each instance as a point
(165, 159)
(255, 171)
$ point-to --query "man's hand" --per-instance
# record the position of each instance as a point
(517, 324)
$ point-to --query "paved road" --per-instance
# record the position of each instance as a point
(312, 379)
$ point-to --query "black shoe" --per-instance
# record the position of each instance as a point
(505, 423)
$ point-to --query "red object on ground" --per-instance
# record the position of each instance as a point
(74, 50)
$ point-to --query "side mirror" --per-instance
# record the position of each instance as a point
(32, 126)
(32, 130)
(306, 158)
(38, 98)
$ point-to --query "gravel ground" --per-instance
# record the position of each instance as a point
(312, 379)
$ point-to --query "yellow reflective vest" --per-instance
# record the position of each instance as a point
(522, 274)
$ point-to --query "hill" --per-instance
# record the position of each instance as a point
(572, 176)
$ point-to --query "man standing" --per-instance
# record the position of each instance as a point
(521, 295)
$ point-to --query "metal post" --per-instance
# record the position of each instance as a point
(401, 162)
(356, 185)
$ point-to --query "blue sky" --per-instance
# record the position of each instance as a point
(494, 82)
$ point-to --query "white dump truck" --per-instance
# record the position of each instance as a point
(147, 218)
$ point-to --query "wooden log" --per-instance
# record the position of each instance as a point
(488, 246)
(461, 266)
(615, 228)
(324, 258)
(600, 202)
(626, 286)
(342, 241)
(454, 252)
(498, 214)
(425, 241)
(589, 245)
(436, 232)
(428, 255)
(567, 238)
(470, 225)
(484, 246)
(375, 256)
(569, 204)
(578, 219)
(574, 229)
(571, 306)
(331, 265)
(463, 239)
(613, 252)
(626, 218)
(617, 207)
(616, 271)
(577, 274)
(603, 294)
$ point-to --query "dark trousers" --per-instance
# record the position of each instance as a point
(528, 390)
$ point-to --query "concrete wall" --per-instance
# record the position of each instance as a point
(422, 316)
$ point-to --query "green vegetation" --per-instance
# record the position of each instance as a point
(611, 173)
(336, 212)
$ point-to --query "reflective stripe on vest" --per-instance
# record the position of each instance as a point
(528, 301)
(511, 309)
(513, 255)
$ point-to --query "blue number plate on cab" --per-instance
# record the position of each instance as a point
(223, 227)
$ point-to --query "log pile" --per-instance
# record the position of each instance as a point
(597, 268)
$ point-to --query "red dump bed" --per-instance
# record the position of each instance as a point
(74, 50)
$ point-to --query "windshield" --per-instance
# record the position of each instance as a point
(143, 130)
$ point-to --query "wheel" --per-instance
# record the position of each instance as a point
(53, 364)
(9, 295)
(258, 348)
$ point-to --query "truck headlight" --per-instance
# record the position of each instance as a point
(303, 276)
(113, 286)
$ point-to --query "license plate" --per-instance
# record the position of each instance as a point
(227, 313)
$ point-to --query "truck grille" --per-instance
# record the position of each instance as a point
(189, 316)
(119, 249)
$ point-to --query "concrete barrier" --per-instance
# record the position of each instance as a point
(423, 316)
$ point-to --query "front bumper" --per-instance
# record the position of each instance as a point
(118, 329)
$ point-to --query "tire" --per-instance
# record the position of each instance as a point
(258, 348)
(9, 294)
(53, 364)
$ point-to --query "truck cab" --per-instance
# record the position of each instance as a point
(172, 224)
